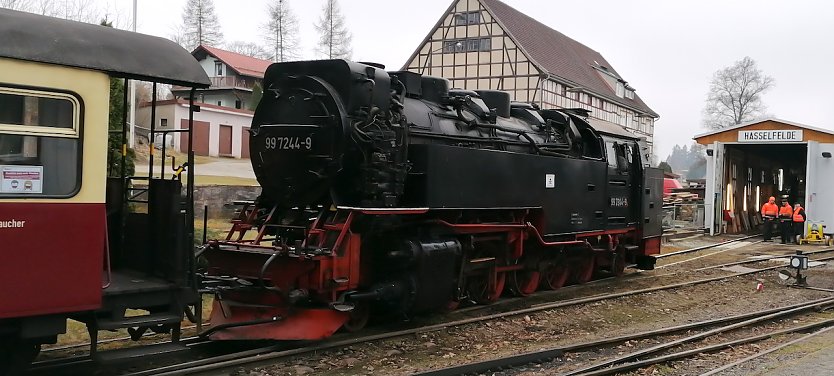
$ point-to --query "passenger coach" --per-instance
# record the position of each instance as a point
(68, 244)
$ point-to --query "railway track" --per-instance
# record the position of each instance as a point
(623, 364)
(270, 354)
(274, 352)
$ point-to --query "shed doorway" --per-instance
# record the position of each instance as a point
(755, 172)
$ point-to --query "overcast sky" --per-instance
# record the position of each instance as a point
(667, 50)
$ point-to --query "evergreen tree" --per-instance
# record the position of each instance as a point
(114, 139)
(199, 25)
(334, 38)
(282, 31)
(257, 94)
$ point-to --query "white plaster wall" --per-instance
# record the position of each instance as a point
(215, 117)
(819, 197)
(208, 66)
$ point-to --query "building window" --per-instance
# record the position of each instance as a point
(238, 103)
(467, 45)
(218, 68)
(451, 46)
(620, 89)
(163, 123)
(629, 94)
(219, 103)
(468, 18)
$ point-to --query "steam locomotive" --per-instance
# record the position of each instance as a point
(390, 193)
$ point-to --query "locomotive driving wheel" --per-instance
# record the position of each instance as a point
(525, 282)
(484, 284)
(582, 266)
(482, 291)
(618, 262)
(555, 275)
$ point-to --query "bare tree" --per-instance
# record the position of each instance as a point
(23, 5)
(199, 25)
(334, 39)
(735, 94)
(76, 10)
(282, 31)
(249, 49)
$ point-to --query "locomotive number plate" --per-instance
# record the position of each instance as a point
(289, 143)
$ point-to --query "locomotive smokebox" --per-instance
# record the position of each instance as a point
(307, 111)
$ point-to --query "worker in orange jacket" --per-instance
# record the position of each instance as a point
(769, 213)
(786, 221)
(798, 219)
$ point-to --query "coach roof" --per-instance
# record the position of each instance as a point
(120, 53)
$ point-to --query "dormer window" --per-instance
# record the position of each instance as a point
(218, 68)
(620, 89)
(629, 94)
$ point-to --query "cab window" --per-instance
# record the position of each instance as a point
(611, 153)
(40, 147)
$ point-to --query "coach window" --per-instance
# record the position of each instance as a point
(40, 147)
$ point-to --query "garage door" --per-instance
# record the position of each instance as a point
(225, 140)
(244, 143)
(201, 137)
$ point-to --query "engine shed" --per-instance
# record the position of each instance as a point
(750, 162)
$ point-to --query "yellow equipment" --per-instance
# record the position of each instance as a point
(816, 235)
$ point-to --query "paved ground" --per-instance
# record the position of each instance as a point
(239, 168)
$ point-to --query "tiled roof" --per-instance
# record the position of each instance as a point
(184, 102)
(242, 64)
(559, 55)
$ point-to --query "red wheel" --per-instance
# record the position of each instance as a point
(583, 269)
(618, 269)
(479, 289)
(555, 276)
(524, 282)
(450, 306)
(358, 318)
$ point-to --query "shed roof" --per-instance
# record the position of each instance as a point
(771, 119)
(242, 64)
(561, 56)
(120, 53)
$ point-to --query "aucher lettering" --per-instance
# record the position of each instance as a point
(12, 224)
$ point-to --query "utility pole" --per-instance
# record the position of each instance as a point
(132, 138)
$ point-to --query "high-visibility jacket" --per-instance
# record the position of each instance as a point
(786, 211)
(799, 215)
(770, 209)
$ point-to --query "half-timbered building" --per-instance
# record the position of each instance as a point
(486, 44)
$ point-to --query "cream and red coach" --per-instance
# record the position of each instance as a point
(58, 204)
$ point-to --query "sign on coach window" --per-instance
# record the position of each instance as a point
(789, 135)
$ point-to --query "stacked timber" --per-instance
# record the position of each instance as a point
(681, 198)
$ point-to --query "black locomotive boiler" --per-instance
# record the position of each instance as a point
(389, 192)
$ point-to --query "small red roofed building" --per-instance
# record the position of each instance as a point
(221, 127)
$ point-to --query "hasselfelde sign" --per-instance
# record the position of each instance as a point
(777, 135)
